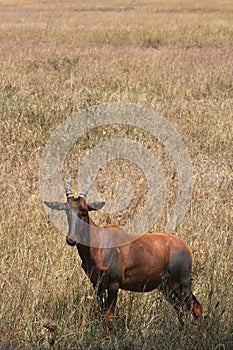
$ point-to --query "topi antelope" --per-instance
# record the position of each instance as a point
(150, 261)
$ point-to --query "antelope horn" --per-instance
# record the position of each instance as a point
(68, 189)
(86, 189)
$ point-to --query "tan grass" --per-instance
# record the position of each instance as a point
(59, 57)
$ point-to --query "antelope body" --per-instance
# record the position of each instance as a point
(150, 261)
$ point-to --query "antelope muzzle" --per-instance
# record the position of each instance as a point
(71, 240)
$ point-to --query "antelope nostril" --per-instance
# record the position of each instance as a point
(70, 241)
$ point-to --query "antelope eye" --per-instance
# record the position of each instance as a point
(81, 213)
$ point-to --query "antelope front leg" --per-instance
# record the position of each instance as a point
(101, 297)
(111, 303)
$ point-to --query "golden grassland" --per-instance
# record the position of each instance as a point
(59, 57)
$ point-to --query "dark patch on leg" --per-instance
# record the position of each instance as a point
(178, 290)
(180, 266)
(111, 303)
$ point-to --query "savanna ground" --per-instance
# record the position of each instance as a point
(59, 57)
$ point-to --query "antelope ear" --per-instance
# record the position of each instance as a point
(95, 206)
(55, 205)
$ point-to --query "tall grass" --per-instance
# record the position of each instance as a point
(60, 57)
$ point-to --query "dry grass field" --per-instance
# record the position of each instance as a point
(59, 57)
